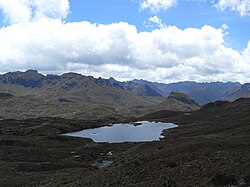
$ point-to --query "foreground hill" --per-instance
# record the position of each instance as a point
(211, 147)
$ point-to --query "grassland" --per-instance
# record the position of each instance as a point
(211, 147)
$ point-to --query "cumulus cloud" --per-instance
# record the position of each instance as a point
(241, 6)
(21, 11)
(157, 5)
(154, 20)
(16, 10)
(167, 54)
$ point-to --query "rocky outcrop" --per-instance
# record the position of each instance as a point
(139, 89)
(178, 101)
(29, 78)
(6, 95)
(241, 92)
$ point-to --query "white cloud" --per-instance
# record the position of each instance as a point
(119, 50)
(241, 6)
(157, 5)
(21, 11)
(16, 10)
(154, 20)
(52, 8)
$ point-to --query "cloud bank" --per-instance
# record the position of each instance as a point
(42, 41)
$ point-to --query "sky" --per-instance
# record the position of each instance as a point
(156, 40)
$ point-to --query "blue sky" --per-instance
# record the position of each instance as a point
(183, 15)
(156, 40)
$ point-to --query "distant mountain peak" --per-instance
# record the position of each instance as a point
(201, 92)
(182, 97)
(240, 92)
(29, 78)
(71, 74)
(31, 71)
(139, 89)
(178, 101)
(246, 87)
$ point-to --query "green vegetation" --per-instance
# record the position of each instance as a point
(210, 148)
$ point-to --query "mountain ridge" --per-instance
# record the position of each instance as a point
(240, 92)
(73, 95)
(69, 95)
(203, 93)
(177, 101)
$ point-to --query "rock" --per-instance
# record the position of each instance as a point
(103, 164)
(6, 95)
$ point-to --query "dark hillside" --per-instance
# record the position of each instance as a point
(211, 147)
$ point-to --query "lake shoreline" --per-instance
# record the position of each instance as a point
(204, 150)
(141, 131)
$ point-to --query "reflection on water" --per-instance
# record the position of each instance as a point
(143, 131)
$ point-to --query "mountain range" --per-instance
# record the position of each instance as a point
(210, 147)
(72, 95)
(203, 93)
(69, 95)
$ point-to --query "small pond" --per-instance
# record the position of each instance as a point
(143, 131)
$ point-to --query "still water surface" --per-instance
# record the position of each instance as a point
(142, 131)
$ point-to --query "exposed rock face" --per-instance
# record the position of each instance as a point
(30, 78)
(182, 98)
(74, 95)
(178, 101)
(139, 89)
(69, 95)
(241, 92)
(6, 95)
(246, 87)
(203, 93)
(33, 79)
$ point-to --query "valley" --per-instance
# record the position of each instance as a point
(210, 147)
(128, 93)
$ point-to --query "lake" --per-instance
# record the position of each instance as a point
(143, 131)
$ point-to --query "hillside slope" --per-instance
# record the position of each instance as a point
(210, 147)
(70, 95)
